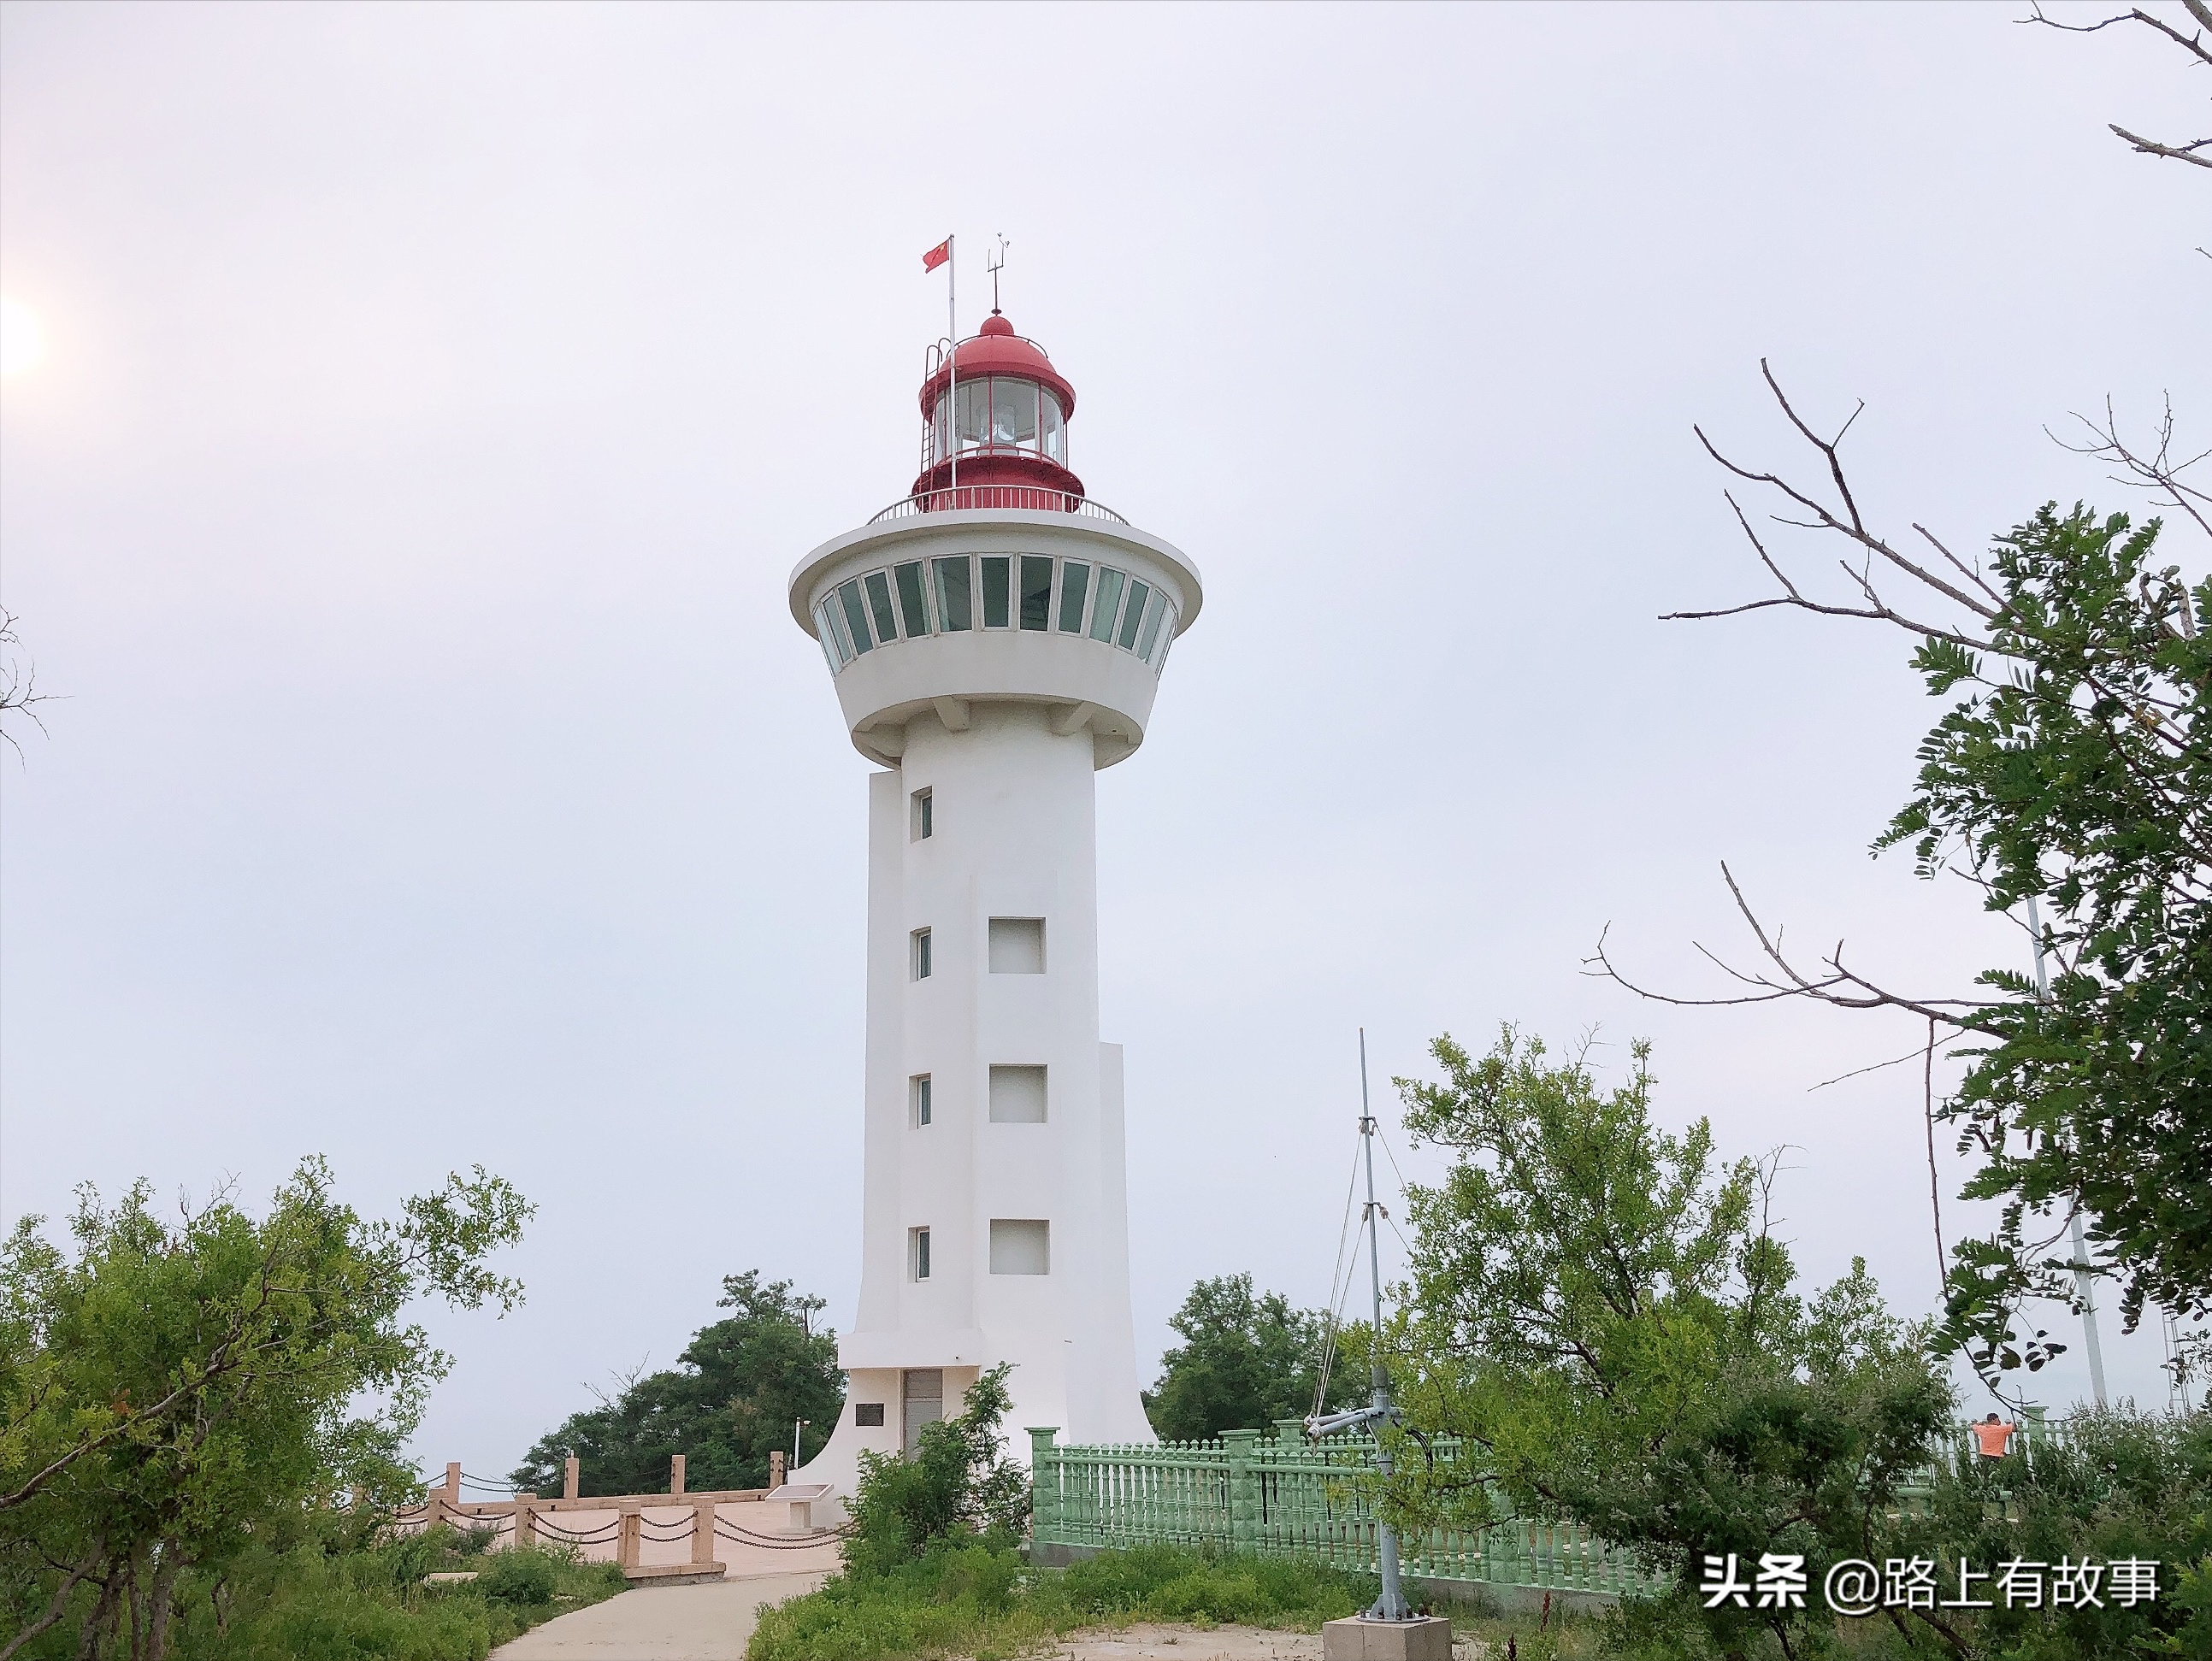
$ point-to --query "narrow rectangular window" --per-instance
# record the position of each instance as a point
(920, 941)
(1017, 1094)
(925, 815)
(1110, 583)
(998, 589)
(952, 610)
(918, 1253)
(833, 642)
(856, 616)
(879, 602)
(1074, 587)
(1021, 1245)
(1036, 590)
(1018, 945)
(868, 1413)
(913, 617)
(1163, 613)
(917, 1090)
(1134, 612)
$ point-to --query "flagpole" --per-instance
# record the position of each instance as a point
(952, 360)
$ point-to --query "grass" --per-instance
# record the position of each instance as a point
(988, 1602)
(309, 1604)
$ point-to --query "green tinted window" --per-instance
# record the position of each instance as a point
(1134, 612)
(952, 593)
(998, 590)
(879, 602)
(856, 616)
(907, 580)
(1151, 631)
(1036, 590)
(1110, 584)
(1074, 585)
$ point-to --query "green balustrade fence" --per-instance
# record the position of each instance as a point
(1277, 1495)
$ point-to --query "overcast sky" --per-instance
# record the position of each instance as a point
(435, 400)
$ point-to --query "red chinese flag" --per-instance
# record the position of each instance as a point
(937, 256)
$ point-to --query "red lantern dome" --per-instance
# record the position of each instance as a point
(1001, 435)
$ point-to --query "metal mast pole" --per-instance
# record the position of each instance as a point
(1391, 1605)
(952, 360)
(2084, 1284)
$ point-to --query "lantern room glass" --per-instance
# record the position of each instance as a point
(999, 413)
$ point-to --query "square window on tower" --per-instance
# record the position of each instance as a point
(925, 815)
(1018, 945)
(1017, 1094)
(1021, 1245)
(917, 953)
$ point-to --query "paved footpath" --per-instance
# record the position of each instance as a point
(708, 1623)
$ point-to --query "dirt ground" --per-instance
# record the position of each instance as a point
(1151, 1642)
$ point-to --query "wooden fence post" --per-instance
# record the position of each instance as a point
(675, 1473)
(775, 1468)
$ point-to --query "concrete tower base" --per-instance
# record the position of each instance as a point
(1425, 1639)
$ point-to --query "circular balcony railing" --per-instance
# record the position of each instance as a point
(1035, 499)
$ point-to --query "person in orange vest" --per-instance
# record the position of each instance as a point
(1991, 1435)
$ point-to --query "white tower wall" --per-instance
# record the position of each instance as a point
(1006, 728)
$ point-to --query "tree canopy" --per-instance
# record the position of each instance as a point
(2073, 774)
(172, 1391)
(1245, 1361)
(1600, 1327)
(734, 1395)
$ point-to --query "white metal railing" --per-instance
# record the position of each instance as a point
(1033, 498)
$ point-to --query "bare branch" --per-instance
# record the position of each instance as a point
(1792, 595)
(1912, 1054)
(2194, 45)
(1836, 986)
(19, 691)
(2157, 472)
(2172, 152)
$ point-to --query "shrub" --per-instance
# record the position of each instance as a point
(958, 1487)
(518, 1577)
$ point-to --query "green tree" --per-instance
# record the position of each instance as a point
(2073, 769)
(959, 1487)
(737, 1390)
(173, 1390)
(1601, 1322)
(1244, 1362)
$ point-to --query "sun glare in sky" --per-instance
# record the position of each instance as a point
(22, 339)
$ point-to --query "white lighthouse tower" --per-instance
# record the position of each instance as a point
(995, 639)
